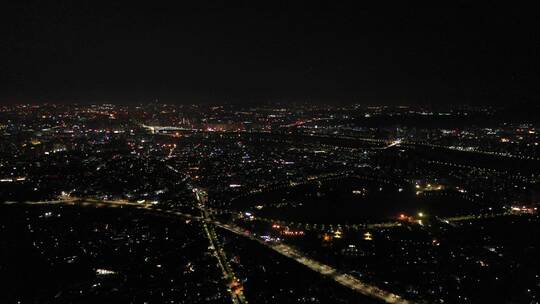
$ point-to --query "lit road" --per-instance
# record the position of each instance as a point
(235, 288)
(236, 296)
(283, 249)
(388, 143)
(326, 270)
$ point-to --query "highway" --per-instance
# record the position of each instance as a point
(326, 270)
(387, 142)
(281, 248)
(237, 294)
(285, 250)
(235, 287)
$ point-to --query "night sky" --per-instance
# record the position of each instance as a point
(231, 51)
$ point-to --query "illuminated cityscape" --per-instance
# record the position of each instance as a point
(269, 153)
(236, 202)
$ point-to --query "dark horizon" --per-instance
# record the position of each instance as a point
(302, 52)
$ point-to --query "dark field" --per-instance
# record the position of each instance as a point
(335, 202)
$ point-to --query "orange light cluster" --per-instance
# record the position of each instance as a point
(405, 217)
(408, 218)
(236, 287)
(293, 233)
(523, 210)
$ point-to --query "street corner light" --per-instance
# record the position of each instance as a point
(420, 214)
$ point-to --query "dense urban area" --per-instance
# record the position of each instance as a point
(306, 203)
